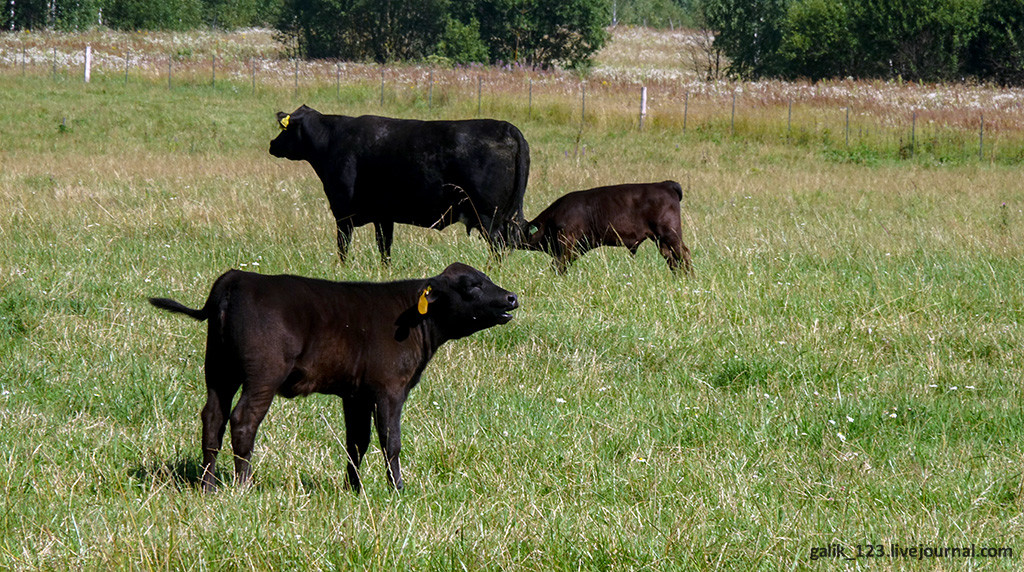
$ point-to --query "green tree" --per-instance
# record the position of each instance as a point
(234, 14)
(913, 39)
(816, 41)
(146, 15)
(534, 32)
(25, 14)
(52, 14)
(749, 32)
(654, 13)
(542, 33)
(566, 33)
(375, 30)
(461, 43)
(997, 52)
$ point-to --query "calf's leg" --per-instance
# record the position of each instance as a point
(221, 385)
(674, 249)
(357, 436)
(215, 419)
(565, 249)
(389, 421)
(252, 407)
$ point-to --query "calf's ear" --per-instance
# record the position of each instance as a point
(427, 297)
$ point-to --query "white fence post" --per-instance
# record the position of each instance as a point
(88, 63)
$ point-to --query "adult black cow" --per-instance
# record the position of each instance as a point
(367, 342)
(427, 173)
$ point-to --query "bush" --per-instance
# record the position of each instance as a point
(363, 30)
(234, 14)
(817, 42)
(997, 52)
(461, 43)
(749, 33)
(534, 32)
(918, 40)
(145, 15)
(54, 14)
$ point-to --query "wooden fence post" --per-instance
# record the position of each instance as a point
(529, 105)
(913, 134)
(981, 138)
(643, 105)
(686, 108)
(732, 118)
(583, 103)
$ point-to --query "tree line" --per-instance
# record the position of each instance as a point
(71, 15)
(532, 32)
(914, 40)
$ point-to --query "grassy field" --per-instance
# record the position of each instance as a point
(844, 369)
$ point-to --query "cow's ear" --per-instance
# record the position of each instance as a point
(283, 119)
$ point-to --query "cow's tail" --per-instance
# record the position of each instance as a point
(517, 230)
(179, 308)
(676, 187)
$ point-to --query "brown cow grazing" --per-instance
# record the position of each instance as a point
(617, 215)
(366, 342)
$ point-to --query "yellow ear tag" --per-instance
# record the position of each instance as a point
(284, 122)
(422, 306)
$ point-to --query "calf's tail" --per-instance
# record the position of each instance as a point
(179, 308)
(677, 188)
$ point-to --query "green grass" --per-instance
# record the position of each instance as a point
(844, 368)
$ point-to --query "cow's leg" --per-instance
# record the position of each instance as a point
(344, 236)
(245, 419)
(389, 421)
(496, 233)
(385, 232)
(357, 436)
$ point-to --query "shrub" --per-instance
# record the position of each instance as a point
(461, 43)
(817, 43)
(997, 52)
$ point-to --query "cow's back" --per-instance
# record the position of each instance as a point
(422, 172)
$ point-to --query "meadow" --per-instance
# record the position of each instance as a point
(844, 369)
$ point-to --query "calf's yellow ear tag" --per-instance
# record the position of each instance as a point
(422, 306)
(284, 122)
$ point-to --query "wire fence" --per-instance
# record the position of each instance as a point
(858, 120)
